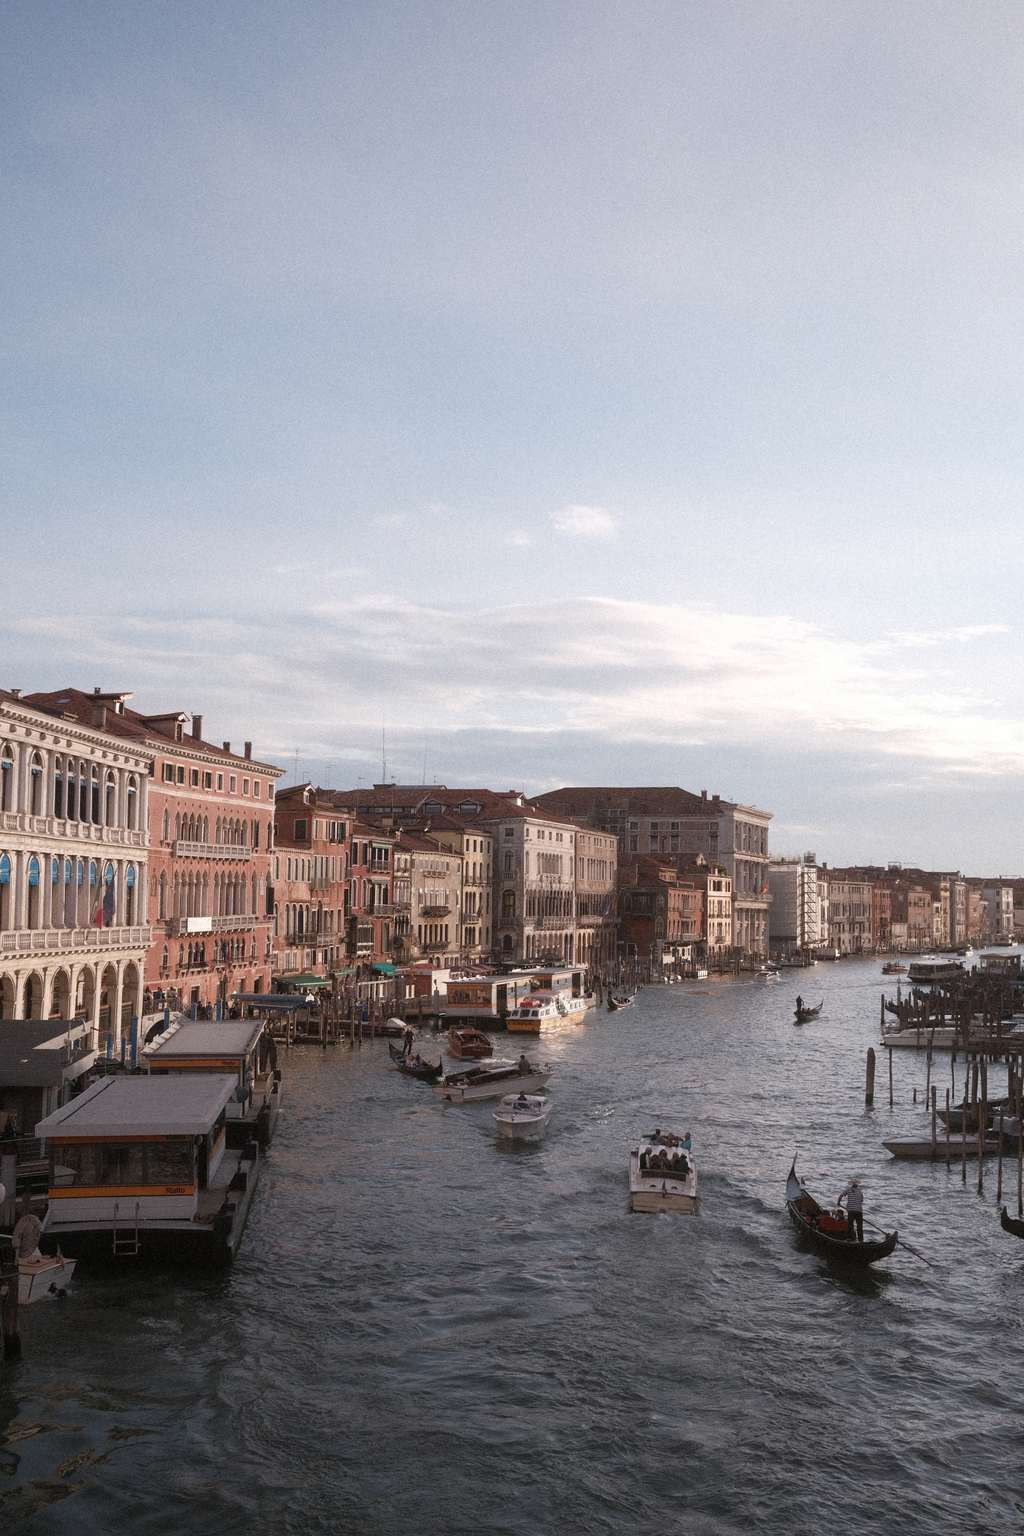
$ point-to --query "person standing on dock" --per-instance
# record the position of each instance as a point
(853, 1194)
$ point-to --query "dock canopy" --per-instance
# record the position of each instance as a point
(220, 1041)
(131, 1107)
(303, 981)
(271, 1000)
(385, 967)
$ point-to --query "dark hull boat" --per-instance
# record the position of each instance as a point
(415, 1066)
(808, 1216)
(615, 1003)
(1009, 1224)
(802, 1014)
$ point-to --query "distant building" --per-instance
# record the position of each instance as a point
(667, 822)
(795, 921)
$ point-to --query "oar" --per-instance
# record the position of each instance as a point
(901, 1244)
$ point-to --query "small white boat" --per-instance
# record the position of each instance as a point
(523, 1116)
(45, 1276)
(662, 1175)
(490, 1082)
(767, 973)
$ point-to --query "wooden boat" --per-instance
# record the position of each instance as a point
(415, 1066)
(45, 1276)
(662, 1175)
(825, 1229)
(920, 1149)
(622, 1000)
(892, 969)
(802, 1014)
(469, 1044)
(522, 1116)
(1010, 1224)
(490, 1082)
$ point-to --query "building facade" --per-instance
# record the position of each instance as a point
(73, 864)
(795, 921)
(671, 822)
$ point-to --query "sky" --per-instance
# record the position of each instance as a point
(536, 394)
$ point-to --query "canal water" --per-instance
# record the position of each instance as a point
(426, 1332)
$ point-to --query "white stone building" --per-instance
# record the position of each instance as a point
(73, 869)
(796, 908)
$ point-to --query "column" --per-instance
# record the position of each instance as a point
(97, 978)
(115, 1012)
(19, 994)
(47, 1002)
(20, 880)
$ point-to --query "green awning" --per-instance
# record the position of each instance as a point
(386, 967)
(304, 981)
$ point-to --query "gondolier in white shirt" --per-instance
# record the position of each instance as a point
(853, 1194)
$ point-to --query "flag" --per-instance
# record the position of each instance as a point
(108, 905)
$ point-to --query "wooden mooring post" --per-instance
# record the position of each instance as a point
(890, 1077)
(982, 1117)
(9, 1298)
(869, 1085)
(935, 1140)
(999, 1181)
(947, 1130)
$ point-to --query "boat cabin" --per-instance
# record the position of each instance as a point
(230, 1045)
(564, 983)
(999, 963)
(156, 1141)
(487, 997)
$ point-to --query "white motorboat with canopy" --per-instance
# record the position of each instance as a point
(522, 1116)
(662, 1174)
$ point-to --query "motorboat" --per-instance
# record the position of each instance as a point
(469, 1044)
(768, 973)
(662, 1174)
(491, 1082)
(522, 1116)
(537, 1009)
(893, 968)
(45, 1275)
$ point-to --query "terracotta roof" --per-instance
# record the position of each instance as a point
(74, 703)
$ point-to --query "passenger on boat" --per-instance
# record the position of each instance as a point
(687, 1143)
(525, 1070)
(853, 1194)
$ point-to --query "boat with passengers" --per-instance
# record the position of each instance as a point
(662, 1174)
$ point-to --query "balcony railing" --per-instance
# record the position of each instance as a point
(64, 941)
(434, 911)
(184, 850)
(76, 831)
(237, 922)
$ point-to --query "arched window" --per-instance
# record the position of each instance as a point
(255, 833)
(177, 826)
(96, 796)
(133, 801)
(163, 897)
(83, 794)
(58, 787)
(6, 779)
(181, 956)
(206, 829)
(166, 834)
(111, 798)
(129, 895)
(35, 799)
(166, 960)
(32, 914)
(508, 906)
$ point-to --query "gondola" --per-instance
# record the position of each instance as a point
(399, 1055)
(808, 1215)
(413, 1066)
(1009, 1224)
(615, 1003)
(802, 1014)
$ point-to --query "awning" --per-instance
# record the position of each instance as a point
(303, 981)
(270, 1000)
(386, 967)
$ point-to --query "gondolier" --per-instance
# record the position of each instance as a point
(853, 1194)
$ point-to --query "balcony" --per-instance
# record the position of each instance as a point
(434, 911)
(73, 831)
(238, 922)
(29, 943)
(182, 850)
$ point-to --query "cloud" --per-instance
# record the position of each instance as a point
(584, 522)
(629, 672)
(519, 539)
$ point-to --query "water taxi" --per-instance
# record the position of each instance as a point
(662, 1175)
(490, 1082)
(469, 1044)
(537, 1009)
(139, 1167)
(522, 1116)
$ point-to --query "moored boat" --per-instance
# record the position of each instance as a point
(522, 1116)
(920, 1148)
(1011, 1224)
(891, 968)
(537, 1009)
(662, 1174)
(48, 1275)
(469, 1044)
(930, 972)
(825, 1228)
(490, 1082)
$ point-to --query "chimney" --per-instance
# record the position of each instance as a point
(15, 693)
(227, 746)
(248, 749)
(197, 727)
(99, 716)
(703, 794)
(96, 690)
